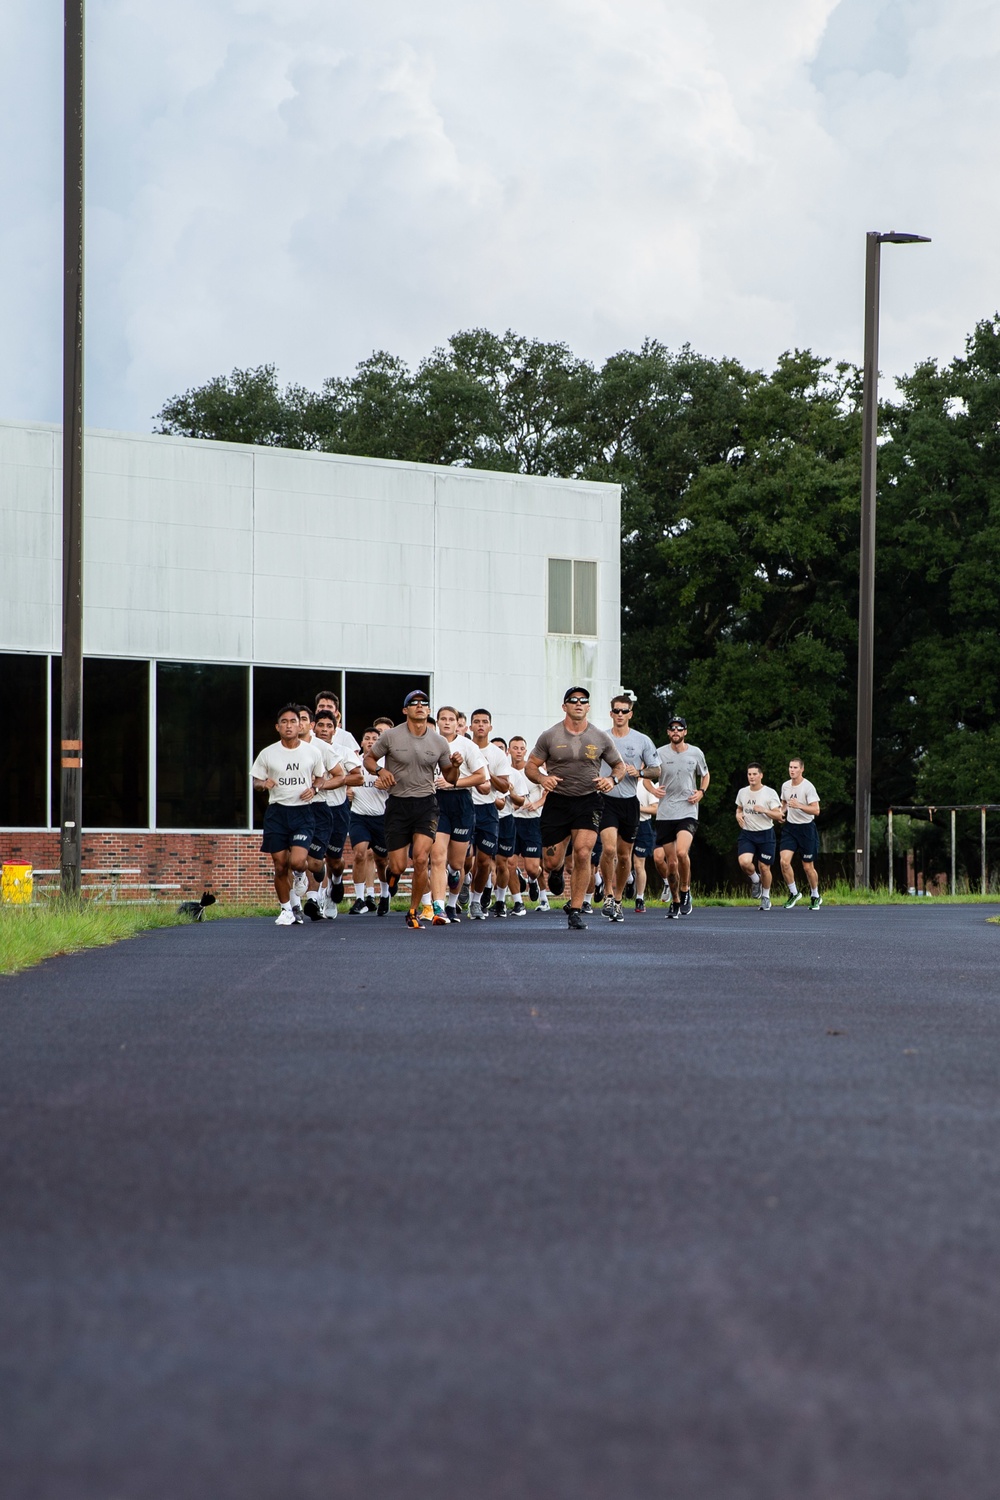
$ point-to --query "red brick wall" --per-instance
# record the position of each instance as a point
(231, 863)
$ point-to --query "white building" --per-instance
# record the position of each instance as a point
(222, 579)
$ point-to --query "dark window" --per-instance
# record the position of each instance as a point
(202, 755)
(22, 741)
(273, 687)
(115, 742)
(371, 693)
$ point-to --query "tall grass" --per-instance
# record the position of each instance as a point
(30, 933)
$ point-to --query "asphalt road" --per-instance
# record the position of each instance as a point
(702, 1210)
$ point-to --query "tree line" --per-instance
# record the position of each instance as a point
(740, 534)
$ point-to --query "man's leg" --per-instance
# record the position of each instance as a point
(683, 847)
(622, 863)
(359, 869)
(439, 867)
(282, 877)
(639, 866)
(584, 840)
(747, 866)
(788, 869)
(553, 859)
(422, 845)
(609, 846)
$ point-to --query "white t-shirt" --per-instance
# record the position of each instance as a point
(368, 800)
(350, 762)
(528, 790)
(648, 804)
(292, 771)
(330, 762)
(755, 820)
(804, 792)
(473, 759)
(345, 739)
(498, 764)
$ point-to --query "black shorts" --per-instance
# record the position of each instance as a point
(563, 816)
(287, 826)
(406, 816)
(340, 822)
(322, 829)
(644, 838)
(801, 838)
(368, 830)
(621, 813)
(667, 829)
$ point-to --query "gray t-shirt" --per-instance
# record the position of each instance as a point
(752, 804)
(576, 758)
(412, 759)
(680, 773)
(636, 750)
(804, 792)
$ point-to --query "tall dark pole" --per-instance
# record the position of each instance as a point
(866, 579)
(71, 709)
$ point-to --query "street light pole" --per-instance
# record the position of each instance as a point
(71, 707)
(866, 580)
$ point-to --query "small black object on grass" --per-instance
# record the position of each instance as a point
(196, 909)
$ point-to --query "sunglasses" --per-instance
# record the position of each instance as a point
(621, 710)
(577, 701)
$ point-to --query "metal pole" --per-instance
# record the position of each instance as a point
(888, 834)
(866, 580)
(953, 851)
(71, 715)
(982, 850)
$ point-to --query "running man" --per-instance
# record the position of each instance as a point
(412, 752)
(800, 800)
(347, 751)
(758, 808)
(487, 825)
(367, 835)
(456, 818)
(644, 844)
(288, 771)
(527, 828)
(571, 753)
(321, 727)
(506, 805)
(684, 780)
(620, 817)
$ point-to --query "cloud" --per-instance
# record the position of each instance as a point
(301, 181)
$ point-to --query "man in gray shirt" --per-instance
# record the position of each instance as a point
(571, 753)
(620, 816)
(684, 781)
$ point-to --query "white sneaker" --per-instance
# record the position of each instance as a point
(300, 883)
(543, 902)
(285, 917)
(329, 911)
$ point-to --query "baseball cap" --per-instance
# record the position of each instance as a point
(576, 692)
(417, 696)
(676, 719)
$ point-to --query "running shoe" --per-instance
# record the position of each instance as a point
(687, 905)
(451, 912)
(587, 909)
(383, 906)
(794, 901)
(412, 920)
(463, 899)
(532, 890)
(392, 883)
(499, 908)
(312, 910)
(629, 890)
(575, 919)
(543, 902)
(486, 898)
(371, 904)
(297, 916)
(336, 890)
(598, 890)
(556, 882)
(608, 909)
(674, 911)
(618, 915)
(476, 913)
(519, 909)
(640, 906)
(330, 912)
(765, 903)
(427, 912)
(815, 902)
(439, 919)
(300, 883)
(359, 909)
(285, 918)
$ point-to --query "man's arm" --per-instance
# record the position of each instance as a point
(533, 771)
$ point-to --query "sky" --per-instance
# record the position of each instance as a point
(301, 182)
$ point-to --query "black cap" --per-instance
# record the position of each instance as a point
(412, 697)
(676, 719)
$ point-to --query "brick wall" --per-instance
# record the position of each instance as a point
(231, 863)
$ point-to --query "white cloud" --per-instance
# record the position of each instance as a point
(305, 180)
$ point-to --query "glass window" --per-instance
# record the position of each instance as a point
(115, 742)
(560, 596)
(273, 687)
(202, 756)
(584, 598)
(373, 693)
(23, 714)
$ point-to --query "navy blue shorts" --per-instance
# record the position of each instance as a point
(322, 829)
(801, 838)
(456, 816)
(340, 823)
(506, 836)
(528, 837)
(760, 845)
(645, 839)
(487, 828)
(287, 827)
(369, 829)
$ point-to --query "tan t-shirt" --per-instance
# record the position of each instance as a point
(412, 759)
(755, 819)
(576, 758)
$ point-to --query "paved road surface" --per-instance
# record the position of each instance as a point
(705, 1210)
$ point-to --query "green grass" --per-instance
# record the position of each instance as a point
(30, 933)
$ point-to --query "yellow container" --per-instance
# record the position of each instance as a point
(15, 886)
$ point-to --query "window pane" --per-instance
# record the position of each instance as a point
(560, 596)
(584, 598)
(202, 755)
(372, 693)
(115, 743)
(22, 741)
(272, 688)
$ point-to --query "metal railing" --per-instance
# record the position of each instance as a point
(949, 807)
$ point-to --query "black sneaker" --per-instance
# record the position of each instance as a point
(557, 882)
(371, 903)
(575, 919)
(532, 890)
(393, 884)
(587, 909)
(311, 909)
(598, 891)
(336, 891)
(486, 898)
(675, 910)
(519, 909)
(383, 906)
(451, 912)
(629, 890)
(297, 916)
(359, 909)
(640, 905)
(499, 908)
(687, 905)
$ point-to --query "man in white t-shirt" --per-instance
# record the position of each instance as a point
(368, 845)
(456, 819)
(289, 771)
(527, 828)
(800, 800)
(487, 817)
(758, 809)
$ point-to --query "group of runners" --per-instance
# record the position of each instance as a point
(480, 819)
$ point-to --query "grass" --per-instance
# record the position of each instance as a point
(30, 933)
